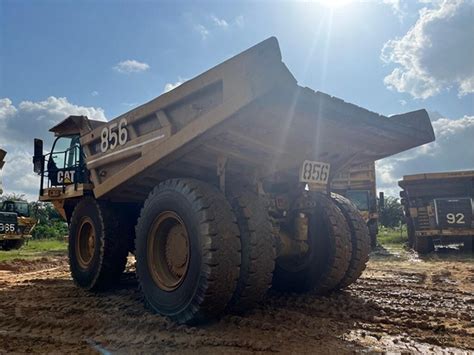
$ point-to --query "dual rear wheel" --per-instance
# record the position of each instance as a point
(339, 246)
(200, 253)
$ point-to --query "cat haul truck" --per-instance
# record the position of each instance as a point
(358, 185)
(16, 224)
(220, 188)
(439, 209)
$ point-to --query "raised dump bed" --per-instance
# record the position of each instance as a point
(241, 142)
(439, 208)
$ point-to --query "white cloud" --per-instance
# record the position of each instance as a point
(6, 109)
(95, 93)
(20, 124)
(131, 66)
(29, 119)
(18, 175)
(171, 86)
(219, 22)
(202, 30)
(397, 7)
(453, 149)
(213, 22)
(239, 21)
(436, 53)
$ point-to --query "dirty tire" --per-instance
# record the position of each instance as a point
(424, 245)
(410, 232)
(361, 241)
(258, 249)
(468, 245)
(212, 271)
(110, 253)
(13, 244)
(329, 255)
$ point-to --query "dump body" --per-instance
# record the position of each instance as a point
(440, 204)
(247, 111)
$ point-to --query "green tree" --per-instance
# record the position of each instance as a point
(391, 214)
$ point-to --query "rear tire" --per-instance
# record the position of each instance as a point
(361, 241)
(97, 245)
(258, 249)
(327, 260)
(468, 245)
(424, 245)
(192, 280)
(411, 233)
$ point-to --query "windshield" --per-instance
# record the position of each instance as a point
(360, 198)
(66, 152)
(19, 207)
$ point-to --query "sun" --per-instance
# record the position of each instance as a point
(333, 4)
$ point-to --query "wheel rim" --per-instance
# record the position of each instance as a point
(168, 251)
(85, 243)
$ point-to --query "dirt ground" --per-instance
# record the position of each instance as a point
(401, 304)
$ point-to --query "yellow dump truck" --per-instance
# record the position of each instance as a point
(439, 209)
(16, 224)
(220, 188)
(357, 183)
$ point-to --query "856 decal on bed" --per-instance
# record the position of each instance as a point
(314, 172)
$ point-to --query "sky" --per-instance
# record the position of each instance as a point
(102, 58)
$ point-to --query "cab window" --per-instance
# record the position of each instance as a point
(360, 198)
(66, 152)
(19, 207)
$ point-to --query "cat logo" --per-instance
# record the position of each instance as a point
(66, 177)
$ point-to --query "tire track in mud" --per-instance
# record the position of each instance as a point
(43, 311)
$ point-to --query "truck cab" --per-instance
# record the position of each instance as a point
(357, 183)
(439, 209)
(63, 172)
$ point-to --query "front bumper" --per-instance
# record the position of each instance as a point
(445, 232)
(14, 236)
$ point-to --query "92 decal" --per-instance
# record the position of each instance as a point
(7, 227)
(455, 218)
(113, 135)
(314, 172)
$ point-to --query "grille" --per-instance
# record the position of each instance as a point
(423, 218)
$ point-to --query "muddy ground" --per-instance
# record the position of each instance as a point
(401, 304)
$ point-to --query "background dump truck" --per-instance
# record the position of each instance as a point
(439, 209)
(16, 224)
(358, 185)
(220, 187)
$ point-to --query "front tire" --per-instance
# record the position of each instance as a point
(187, 251)
(13, 244)
(97, 245)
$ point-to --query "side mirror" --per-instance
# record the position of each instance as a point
(38, 161)
(381, 199)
